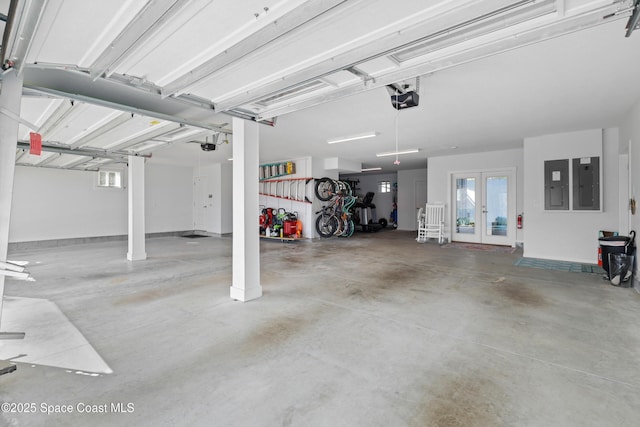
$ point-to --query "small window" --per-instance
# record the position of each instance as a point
(384, 187)
(111, 179)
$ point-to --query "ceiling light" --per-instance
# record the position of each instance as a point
(397, 153)
(230, 159)
(370, 169)
(353, 137)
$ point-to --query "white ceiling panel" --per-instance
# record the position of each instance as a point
(341, 78)
(197, 34)
(36, 111)
(74, 32)
(138, 125)
(341, 30)
(377, 66)
(84, 119)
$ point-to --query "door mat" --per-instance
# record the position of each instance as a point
(547, 264)
(479, 247)
(193, 236)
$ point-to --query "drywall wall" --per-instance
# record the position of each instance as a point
(569, 235)
(441, 168)
(51, 204)
(630, 138)
(409, 201)
(168, 199)
(217, 181)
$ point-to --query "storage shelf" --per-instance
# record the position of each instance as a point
(294, 189)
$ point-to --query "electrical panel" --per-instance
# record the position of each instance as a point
(586, 183)
(556, 184)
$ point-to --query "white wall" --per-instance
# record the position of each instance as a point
(168, 198)
(440, 168)
(218, 180)
(51, 204)
(630, 139)
(407, 206)
(569, 235)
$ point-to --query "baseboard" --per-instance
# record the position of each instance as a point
(54, 243)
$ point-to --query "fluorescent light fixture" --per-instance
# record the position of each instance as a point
(352, 137)
(370, 169)
(230, 159)
(397, 153)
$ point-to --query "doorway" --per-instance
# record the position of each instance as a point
(484, 207)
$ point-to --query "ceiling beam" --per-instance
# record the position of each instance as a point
(143, 26)
(280, 27)
(80, 86)
(24, 17)
(541, 33)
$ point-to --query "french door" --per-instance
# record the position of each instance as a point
(484, 207)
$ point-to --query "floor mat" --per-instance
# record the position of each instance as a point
(479, 247)
(193, 236)
(547, 264)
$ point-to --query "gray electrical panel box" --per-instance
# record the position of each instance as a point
(556, 184)
(586, 183)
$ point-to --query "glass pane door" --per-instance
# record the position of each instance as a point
(484, 207)
(465, 209)
(495, 208)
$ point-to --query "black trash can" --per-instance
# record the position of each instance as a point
(616, 245)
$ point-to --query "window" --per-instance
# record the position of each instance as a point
(384, 187)
(112, 179)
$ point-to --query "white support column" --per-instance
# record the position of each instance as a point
(10, 99)
(246, 239)
(137, 249)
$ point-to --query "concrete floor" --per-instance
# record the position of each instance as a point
(375, 330)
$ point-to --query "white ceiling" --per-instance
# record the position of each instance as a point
(147, 77)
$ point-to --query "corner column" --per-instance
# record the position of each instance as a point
(10, 101)
(246, 239)
(137, 249)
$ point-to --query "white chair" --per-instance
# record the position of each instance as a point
(422, 230)
(433, 223)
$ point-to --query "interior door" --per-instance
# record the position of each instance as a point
(202, 208)
(484, 207)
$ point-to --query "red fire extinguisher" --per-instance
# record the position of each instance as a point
(520, 220)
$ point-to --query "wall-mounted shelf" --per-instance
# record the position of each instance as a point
(287, 188)
(275, 170)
